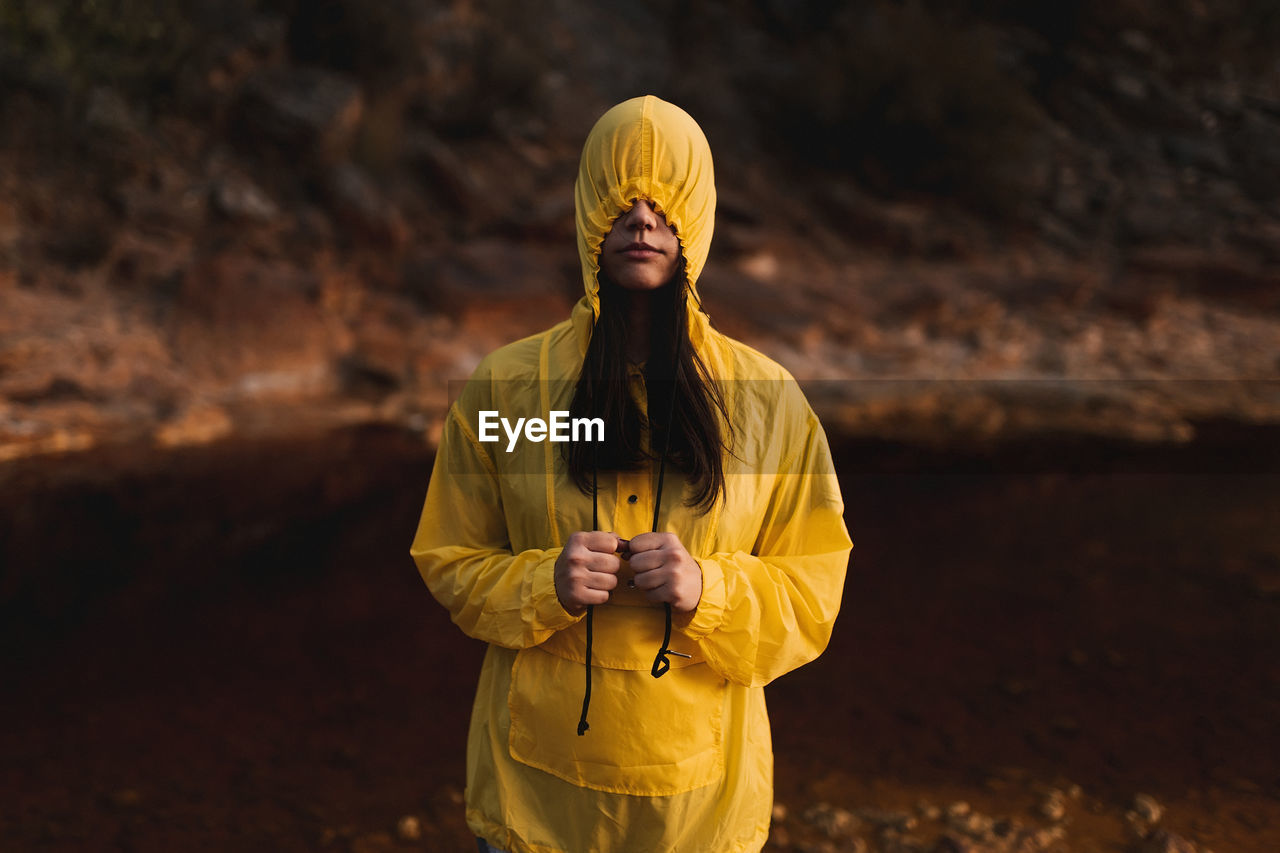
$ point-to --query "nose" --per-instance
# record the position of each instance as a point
(641, 216)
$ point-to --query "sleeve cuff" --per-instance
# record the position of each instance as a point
(709, 614)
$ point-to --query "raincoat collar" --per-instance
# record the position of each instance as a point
(644, 148)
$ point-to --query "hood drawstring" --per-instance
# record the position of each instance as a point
(591, 608)
(661, 663)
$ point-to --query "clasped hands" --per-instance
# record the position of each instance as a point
(587, 570)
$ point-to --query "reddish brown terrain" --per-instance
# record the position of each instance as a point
(1022, 257)
(202, 663)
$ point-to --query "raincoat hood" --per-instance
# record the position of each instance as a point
(644, 148)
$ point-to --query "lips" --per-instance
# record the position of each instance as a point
(641, 251)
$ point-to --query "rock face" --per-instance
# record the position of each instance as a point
(307, 111)
(1166, 842)
(346, 236)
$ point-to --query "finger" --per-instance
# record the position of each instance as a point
(659, 594)
(656, 542)
(647, 562)
(602, 580)
(593, 596)
(650, 580)
(600, 541)
(647, 542)
(609, 563)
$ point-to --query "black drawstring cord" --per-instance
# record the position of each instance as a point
(591, 610)
(586, 694)
(662, 662)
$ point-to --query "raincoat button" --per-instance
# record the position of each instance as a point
(633, 499)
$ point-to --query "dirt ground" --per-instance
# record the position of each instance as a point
(229, 648)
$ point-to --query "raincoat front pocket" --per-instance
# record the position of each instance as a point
(649, 736)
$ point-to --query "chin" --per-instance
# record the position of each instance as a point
(640, 286)
(639, 281)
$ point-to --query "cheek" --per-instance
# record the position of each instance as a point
(607, 265)
(674, 250)
(671, 268)
(608, 250)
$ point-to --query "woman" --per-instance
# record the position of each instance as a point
(638, 592)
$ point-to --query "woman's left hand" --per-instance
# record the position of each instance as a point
(666, 571)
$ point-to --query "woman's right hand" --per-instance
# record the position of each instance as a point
(587, 569)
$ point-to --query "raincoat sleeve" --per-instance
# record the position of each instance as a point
(769, 611)
(462, 545)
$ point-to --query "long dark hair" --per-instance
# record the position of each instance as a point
(700, 434)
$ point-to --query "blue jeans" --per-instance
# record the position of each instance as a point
(486, 848)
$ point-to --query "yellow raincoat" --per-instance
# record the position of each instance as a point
(683, 762)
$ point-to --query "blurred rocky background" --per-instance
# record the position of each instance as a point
(223, 216)
(246, 244)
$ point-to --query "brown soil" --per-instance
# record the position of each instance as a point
(228, 648)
